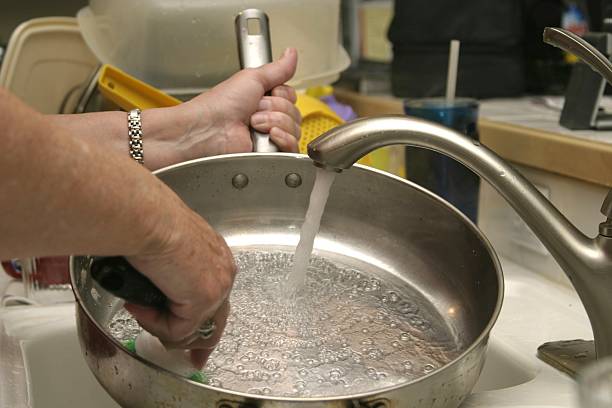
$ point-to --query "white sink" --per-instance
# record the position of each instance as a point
(41, 363)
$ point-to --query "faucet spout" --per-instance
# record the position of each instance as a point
(587, 262)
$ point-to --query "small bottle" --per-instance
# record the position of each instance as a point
(573, 20)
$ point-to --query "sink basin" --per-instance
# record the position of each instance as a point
(41, 363)
(48, 361)
(505, 367)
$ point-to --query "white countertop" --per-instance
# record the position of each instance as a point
(542, 113)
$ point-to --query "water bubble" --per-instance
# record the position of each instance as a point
(428, 368)
(335, 374)
(214, 382)
(374, 353)
(274, 341)
(406, 307)
(271, 364)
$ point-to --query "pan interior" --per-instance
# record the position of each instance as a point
(355, 327)
(378, 235)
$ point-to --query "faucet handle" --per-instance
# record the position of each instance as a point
(605, 228)
(606, 207)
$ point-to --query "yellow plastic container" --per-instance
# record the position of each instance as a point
(130, 93)
(317, 118)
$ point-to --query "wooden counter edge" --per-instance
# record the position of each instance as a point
(582, 159)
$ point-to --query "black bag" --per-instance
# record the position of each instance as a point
(494, 47)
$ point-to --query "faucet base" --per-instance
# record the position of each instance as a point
(568, 356)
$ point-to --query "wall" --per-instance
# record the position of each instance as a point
(16, 12)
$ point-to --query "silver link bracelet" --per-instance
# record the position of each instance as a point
(135, 134)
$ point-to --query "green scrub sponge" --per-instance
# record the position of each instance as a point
(177, 361)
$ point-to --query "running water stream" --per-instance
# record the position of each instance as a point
(296, 279)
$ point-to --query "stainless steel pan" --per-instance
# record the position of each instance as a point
(374, 222)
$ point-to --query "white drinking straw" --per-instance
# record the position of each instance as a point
(453, 63)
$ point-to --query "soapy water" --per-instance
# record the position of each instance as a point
(296, 279)
(347, 332)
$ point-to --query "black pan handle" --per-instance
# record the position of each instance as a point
(119, 277)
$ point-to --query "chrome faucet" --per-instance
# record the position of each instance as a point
(587, 262)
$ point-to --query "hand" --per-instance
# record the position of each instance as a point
(194, 268)
(220, 117)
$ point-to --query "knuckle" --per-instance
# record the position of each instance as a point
(284, 121)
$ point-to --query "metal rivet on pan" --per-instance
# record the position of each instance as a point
(293, 180)
(240, 181)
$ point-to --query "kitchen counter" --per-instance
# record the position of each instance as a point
(523, 131)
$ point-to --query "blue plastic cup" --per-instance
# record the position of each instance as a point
(438, 173)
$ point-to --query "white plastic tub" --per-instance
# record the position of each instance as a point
(184, 46)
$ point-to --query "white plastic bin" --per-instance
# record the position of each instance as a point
(185, 46)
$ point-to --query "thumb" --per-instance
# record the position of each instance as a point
(278, 72)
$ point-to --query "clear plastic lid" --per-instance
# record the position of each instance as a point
(184, 46)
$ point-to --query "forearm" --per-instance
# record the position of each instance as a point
(162, 128)
(61, 194)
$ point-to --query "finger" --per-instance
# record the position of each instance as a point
(285, 141)
(199, 357)
(202, 348)
(265, 121)
(195, 341)
(285, 91)
(278, 72)
(278, 104)
(166, 327)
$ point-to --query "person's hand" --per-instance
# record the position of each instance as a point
(194, 268)
(219, 118)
